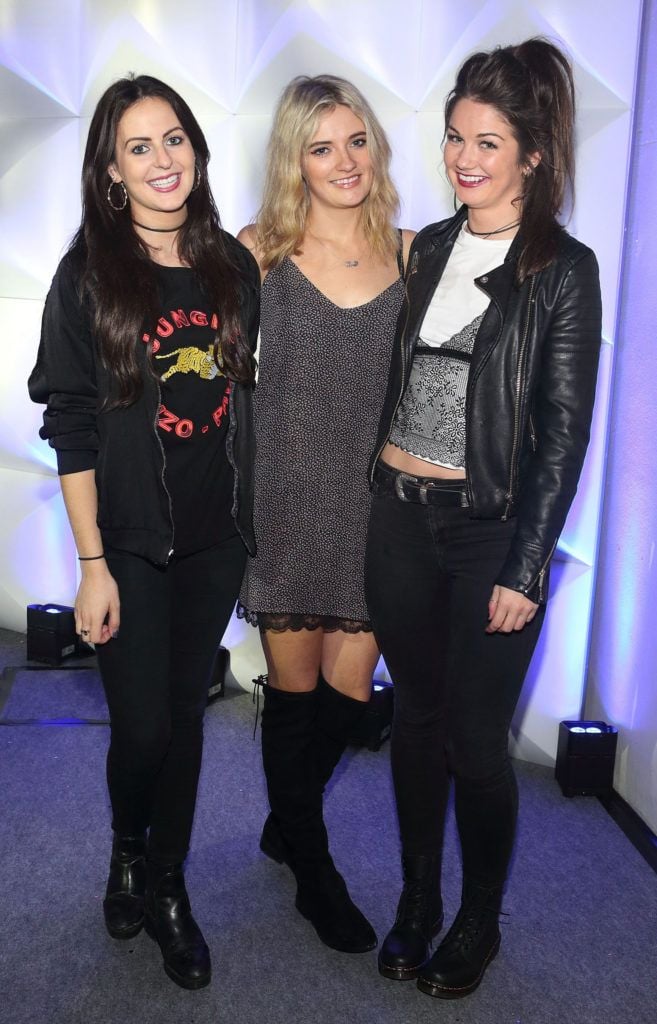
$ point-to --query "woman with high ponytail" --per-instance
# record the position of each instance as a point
(480, 447)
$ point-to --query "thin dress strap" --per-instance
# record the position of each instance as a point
(400, 253)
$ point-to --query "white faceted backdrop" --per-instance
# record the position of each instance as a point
(230, 59)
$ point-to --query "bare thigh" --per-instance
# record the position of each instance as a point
(346, 660)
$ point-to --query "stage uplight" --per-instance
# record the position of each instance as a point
(221, 675)
(51, 635)
(586, 753)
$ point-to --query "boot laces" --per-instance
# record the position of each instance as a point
(472, 920)
(258, 684)
(414, 900)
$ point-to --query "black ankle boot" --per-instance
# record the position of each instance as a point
(419, 918)
(123, 905)
(295, 832)
(461, 959)
(168, 920)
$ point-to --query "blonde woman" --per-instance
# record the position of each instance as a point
(332, 264)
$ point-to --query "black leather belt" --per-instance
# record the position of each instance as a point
(422, 490)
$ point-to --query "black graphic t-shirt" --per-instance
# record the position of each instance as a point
(193, 416)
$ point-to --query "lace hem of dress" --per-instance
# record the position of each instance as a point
(280, 622)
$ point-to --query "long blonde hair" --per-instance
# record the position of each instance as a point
(281, 220)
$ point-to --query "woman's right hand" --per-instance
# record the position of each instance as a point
(97, 606)
(97, 600)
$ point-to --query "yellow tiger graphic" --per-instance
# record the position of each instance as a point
(192, 360)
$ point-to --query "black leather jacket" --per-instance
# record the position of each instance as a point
(530, 390)
(122, 444)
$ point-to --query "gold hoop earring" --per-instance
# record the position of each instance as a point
(124, 195)
(197, 178)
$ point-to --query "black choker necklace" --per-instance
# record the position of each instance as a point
(497, 231)
(162, 230)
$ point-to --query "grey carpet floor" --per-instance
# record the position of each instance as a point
(579, 936)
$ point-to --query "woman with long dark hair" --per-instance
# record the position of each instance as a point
(146, 367)
(331, 259)
(480, 447)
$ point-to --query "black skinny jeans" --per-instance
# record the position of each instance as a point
(156, 675)
(430, 572)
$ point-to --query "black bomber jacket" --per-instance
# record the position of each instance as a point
(122, 444)
(530, 392)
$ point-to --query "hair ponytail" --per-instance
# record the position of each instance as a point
(531, 86)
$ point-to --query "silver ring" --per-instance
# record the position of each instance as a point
(84, 632)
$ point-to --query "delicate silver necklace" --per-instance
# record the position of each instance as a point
(345, 263)
(496, 231)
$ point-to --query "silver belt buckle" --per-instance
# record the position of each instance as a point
(400, 480)
(423, 495)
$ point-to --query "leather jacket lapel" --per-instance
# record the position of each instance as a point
(425, 271)
(422, 281)
(498, 285)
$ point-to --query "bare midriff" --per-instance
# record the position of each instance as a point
(399, 459)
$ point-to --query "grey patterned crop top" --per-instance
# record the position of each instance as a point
(430, 420)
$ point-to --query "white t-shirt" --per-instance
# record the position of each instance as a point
(457, 300)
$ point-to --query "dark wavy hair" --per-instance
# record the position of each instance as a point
(120, 276)
(531, 86)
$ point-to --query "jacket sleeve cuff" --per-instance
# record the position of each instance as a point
(75, 461)
(530, 578)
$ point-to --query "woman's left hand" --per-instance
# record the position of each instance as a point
(508, 610)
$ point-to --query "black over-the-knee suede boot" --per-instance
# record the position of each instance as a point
(336, 719)
(295, 798)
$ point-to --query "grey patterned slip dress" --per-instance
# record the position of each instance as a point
(321, 384)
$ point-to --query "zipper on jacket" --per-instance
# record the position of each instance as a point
(516, 419)
(230, 455)
(468, 402)
(164, 466)
(532, 433)
(540, 576)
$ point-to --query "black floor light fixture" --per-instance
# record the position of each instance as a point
(585, 758)
(221, 675)
(51, 635)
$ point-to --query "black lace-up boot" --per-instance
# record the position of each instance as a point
(168, 920)
(419, 918)
(460, 961)
(123, 905)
